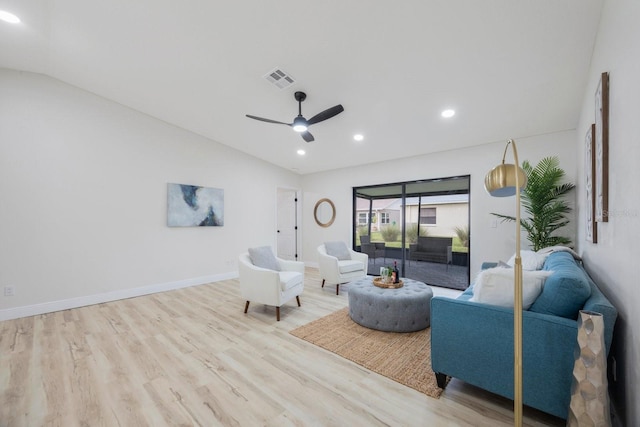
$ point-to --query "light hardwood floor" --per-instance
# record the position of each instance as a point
(192, 358)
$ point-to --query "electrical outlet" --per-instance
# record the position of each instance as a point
(9, 291)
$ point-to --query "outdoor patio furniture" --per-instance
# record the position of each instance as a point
(432, 249)
(374, 250)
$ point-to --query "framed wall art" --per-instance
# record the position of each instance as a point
(194, 206)
(590, 185)
(602, 149)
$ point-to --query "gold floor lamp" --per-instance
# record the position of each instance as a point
(502, 181)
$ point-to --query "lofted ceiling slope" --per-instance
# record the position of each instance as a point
(510, 69)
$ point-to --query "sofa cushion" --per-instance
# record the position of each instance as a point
(566, 290)
(263, 257)
(338, 250)
(496, 286)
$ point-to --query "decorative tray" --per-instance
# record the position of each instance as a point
(379, 282)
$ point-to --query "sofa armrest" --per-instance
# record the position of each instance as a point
(474, 342)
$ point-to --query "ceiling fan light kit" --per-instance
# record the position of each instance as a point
(300, 124)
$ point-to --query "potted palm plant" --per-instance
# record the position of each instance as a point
(460, 253)
(544, 203)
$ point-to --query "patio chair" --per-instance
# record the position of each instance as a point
(374, 250)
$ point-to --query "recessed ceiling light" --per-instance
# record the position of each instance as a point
(358, 137)
(301, 152)
(448, 113)
(8, 17)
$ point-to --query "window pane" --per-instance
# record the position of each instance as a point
(428, 216)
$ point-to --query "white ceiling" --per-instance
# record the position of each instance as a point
(510, 68)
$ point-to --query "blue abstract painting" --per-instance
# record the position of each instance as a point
(194, 206)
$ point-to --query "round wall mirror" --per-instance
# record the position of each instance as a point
(324, 212)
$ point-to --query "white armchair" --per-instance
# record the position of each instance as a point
(334, 270)
(270, 286)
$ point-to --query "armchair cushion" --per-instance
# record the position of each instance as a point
(349, 266)
(338, 250)
(263, 257)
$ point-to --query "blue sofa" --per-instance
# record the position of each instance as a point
(473, 341)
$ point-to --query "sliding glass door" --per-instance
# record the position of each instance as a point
(421, 226)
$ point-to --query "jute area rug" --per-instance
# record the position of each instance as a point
(403, 357)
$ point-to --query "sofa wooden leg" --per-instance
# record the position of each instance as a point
(323, 283)
(441, 379)
(338, 289)
(278, 314)
(246, 307)
(298, 300)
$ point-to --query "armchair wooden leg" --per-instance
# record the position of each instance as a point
(278, 314)
(298, 300)
(322, 283)
(338, 289)
(246, 307)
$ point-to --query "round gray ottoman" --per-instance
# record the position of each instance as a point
(406, 309)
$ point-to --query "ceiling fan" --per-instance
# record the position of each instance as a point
(300, 124)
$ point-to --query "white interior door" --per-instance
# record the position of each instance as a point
(287, 224)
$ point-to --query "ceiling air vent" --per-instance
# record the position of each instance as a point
(279, 78)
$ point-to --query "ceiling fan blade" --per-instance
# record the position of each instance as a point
(307, 136)
(262, 119)
(326, 114)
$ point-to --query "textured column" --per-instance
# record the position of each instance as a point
(589, 395)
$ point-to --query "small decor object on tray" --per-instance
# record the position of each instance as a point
(396, 273)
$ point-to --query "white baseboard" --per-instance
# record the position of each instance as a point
(50, 307)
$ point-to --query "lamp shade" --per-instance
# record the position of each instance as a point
(501, 180)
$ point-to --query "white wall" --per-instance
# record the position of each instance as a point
(611, 262)
(487, 244)
(83, 199)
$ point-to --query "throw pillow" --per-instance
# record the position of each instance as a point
(531, 260)
(495, 286)
(263, 257)
(565, 292)
(338, 250)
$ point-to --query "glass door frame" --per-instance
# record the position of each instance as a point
(433, 186)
